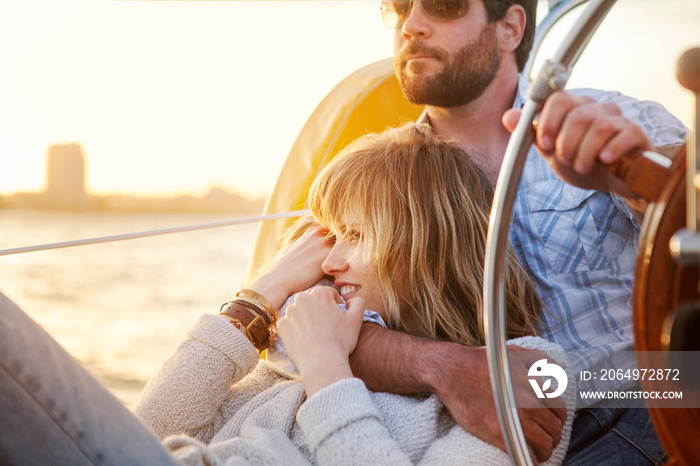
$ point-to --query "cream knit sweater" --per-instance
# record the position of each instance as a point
(214, 402)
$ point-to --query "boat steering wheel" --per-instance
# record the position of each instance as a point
(553, 76)
(666, 318)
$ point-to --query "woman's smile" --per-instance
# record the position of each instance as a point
(348, 289)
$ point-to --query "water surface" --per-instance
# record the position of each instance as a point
(121, 308)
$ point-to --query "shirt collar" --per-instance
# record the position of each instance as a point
(521, 95)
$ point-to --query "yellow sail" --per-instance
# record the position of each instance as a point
(367, 101)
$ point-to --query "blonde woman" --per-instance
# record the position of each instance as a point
(404, 219)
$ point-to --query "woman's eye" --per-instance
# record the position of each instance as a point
(354, 235)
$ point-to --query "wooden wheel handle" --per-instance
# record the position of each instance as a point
(688, 70)
(642, 175)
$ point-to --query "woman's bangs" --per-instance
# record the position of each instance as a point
(337, 194)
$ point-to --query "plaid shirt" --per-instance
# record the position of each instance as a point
(579, 248)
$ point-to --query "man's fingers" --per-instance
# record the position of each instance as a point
(631, 137)
(601, 132)
(556, 110)
(548, 420)
(539, 439)
(574, 129)
(579, 131)
(542, 425)
(510, 119)
(557, 406)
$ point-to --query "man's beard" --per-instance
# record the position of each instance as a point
(464, 77)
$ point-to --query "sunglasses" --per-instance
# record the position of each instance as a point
(395, 12)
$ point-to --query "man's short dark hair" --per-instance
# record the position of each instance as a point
(496, 9)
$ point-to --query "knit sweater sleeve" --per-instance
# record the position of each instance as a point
(344, 426)
(187, 392)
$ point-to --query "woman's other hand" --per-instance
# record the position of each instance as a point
(319, 336)
(298, 268)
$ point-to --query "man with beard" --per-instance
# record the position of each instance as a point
(462, 58)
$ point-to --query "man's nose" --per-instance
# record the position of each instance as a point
(417, 23)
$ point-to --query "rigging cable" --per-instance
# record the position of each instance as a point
(145, 234)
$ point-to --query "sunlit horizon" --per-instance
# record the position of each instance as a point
(170, 98)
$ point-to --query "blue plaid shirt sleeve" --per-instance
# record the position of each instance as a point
(579, 248)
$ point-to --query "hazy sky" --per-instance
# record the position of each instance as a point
(176, 96)
(171, 96)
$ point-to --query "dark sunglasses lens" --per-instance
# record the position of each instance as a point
(395, 12)
(445, 9)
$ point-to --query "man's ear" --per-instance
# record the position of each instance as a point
(511, 28)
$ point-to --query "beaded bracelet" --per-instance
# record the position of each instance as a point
(256, 296)
(257, 307)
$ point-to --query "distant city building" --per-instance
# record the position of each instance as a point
(66, 189)
(65, 182)
(65, 177)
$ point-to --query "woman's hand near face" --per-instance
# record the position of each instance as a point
(319, 336)
(298, 268)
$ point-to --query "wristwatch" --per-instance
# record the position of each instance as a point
(256, 326)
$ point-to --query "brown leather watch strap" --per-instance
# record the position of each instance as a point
(252, 306)
(255, 324)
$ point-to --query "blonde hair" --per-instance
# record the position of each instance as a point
(423, 208)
